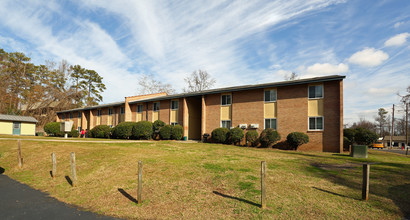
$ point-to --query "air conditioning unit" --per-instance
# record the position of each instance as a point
(243, 126)
(254, 125)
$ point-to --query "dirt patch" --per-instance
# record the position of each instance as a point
(343, 166)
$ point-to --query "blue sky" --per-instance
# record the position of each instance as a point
(238, 43)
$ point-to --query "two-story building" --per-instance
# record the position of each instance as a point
(313, 106)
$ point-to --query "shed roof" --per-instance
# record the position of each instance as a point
(17, 118)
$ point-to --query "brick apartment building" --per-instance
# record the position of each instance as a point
(313, 106)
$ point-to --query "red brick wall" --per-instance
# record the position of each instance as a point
(213, 112)
(333, 111)
(164, 108)
(247, 108)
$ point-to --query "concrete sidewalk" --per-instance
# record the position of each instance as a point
(18, 201)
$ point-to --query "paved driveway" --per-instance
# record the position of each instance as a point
(18, 201)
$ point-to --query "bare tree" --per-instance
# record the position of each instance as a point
(198, 81)
(148, 85)
(381, 120)
(292, 76)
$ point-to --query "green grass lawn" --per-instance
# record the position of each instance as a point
(211, 181)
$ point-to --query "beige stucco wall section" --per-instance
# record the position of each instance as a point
(28, 129)
(315, 107)
(6, 127)
(270, 109)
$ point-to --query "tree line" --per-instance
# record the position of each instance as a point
(382, 124)
(42, 90)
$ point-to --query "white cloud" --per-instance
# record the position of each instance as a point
(397, 40)
(368, 57)
(398, 24)
(319, 69)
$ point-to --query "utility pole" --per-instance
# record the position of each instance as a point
(392, 129)
(407, 128)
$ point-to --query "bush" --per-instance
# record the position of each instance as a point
(142, 130)
(100, 131)
(269, 137)
(235, 135)
(346, 143)
(295, 139)
(73, 133)
(53, 129)
(39, 133)
(156, 127)
(123, 130)
(165, 132)
(219, 135)
(349, 133)
(364, 136)
(252, 137)
(177, 132)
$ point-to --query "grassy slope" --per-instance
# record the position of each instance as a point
(213, 181)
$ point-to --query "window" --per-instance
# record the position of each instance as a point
(122, 110)
(315, 92)
(270, 123)
(174, 123)
(270, 95)
(139, 108)
(226, 99)
(315, 123)
(110, 111)
(156, 106)
(174, 105)
(71, 115)
(79, 129)
(226, 124)
(79, 115)
(63, 116)
(98, 113)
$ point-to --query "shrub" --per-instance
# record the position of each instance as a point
(349, 133)
(346, 143)
(100, 131)
(177, 132)
(219, 135)
(364, 136)
(268, 137)
(295, 139)
(123, 130)
(235, 135)
(165, 132)
(53, 129)
(142, 130)
(73, 133)
(156, 127)
(39, 133)
(252, 137)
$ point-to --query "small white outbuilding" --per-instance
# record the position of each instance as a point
(17, 125)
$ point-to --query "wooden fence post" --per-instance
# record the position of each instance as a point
(365, 187)
(73, 172)
(139, 199)
(54, 168)
(20, 159)
(263, 185)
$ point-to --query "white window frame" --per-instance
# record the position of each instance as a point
(121, 110)
(323, 123)
(99, 112)
(230, 121)
(276, 121)
(276, 95)
(172, 107)
(230, 95)
(174, 123)
(323, 92)
(142, 108)
(79, 115)
(110, 111)
(153, 107)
